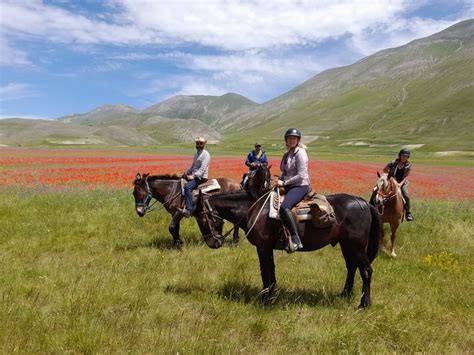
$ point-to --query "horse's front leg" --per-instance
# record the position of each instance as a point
(236, 238)
(267, 271)
(393, 237)
(174, 230)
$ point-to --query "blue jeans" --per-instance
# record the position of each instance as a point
(294, 195)
(188, 191)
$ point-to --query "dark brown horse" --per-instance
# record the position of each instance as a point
(166, 189)
(357, 229)
(389, 202)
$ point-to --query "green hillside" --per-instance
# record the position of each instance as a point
(420, 93)
(209, 109)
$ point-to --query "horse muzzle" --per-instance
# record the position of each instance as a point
(140, 210)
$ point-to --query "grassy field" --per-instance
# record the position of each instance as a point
(80, 272)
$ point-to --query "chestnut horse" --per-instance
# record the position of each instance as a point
(166, 189)
(357, 229)
(389, 202)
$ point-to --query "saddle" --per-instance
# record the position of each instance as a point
(208, 186)
(314, 207)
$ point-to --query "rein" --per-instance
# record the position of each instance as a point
(149, 197)
(384, 197)
(236, 225)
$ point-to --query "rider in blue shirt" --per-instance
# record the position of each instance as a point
(254, 158)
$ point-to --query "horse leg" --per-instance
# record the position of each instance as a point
(351, 267)
(236, 239)
(393, 229)
(267, 271)
(366, 274)
(382, 240)
(349, 284)
(174, 230)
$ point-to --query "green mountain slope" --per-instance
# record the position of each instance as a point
(208, 109)
(420, 93)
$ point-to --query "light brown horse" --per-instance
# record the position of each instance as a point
(389, 202)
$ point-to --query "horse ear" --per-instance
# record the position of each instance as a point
(378, 174)
(389, 175)
(269, 166)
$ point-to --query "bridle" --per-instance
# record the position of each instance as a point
(149, 196)
(383, 197)
(207, 211)
(266, 184)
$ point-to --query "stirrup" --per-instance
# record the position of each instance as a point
(292, 247)
(185, 212)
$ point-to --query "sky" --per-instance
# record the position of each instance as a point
(59, 57)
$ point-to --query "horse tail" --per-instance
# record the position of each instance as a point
(374, 234)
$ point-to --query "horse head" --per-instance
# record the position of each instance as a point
(209, 222)
(260, 180)
(141, 193)
(386, 189)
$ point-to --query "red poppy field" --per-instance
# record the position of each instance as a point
(92, 169)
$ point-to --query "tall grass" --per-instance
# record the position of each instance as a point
(80, 272)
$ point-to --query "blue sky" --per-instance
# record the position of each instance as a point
(62, 56)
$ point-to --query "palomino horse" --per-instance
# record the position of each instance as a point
(167, 190)
(357, 229)
(389, 202)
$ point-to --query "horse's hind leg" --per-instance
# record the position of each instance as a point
(236, 239)
(393, 237)
(267, 271)
(174, 230)
(349, 284)
(351, 265)
(366, 274)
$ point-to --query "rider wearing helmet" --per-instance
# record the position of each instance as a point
(400, 169)
(197, 174)
(295, 179)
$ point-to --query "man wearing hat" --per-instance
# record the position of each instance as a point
(254, 158)
(197, 174)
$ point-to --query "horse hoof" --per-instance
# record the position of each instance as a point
(178, 244)
(393, 255)
(346, 294)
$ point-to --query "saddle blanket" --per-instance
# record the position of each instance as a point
(208, 186)
(314, 207)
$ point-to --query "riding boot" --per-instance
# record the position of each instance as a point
(289, 222)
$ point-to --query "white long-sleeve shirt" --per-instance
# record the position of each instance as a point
(200, 165)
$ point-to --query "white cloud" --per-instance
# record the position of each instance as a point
(15, 91)
(11, 56)
(396, 33)
(230, 25)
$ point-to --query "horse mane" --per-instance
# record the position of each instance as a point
(164, 177)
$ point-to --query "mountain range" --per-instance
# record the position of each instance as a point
(418, 95)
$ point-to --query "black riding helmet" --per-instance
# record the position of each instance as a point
(292, 132)
(404, 151)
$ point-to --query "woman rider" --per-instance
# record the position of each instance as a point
(295, 180)
(400, 169)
